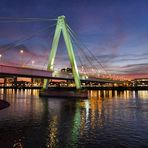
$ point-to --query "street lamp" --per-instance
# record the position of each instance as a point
(33, 62)
(1, 58)
(21, 52)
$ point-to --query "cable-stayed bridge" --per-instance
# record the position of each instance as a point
(17, 60)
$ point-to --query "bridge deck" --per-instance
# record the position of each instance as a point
(25, 72)
(30, 72)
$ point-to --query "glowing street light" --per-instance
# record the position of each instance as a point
(21, 51)
(0, 57)
(32, 62)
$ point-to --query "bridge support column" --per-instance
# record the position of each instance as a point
(15, 82)
(32, 82)
(5, 82)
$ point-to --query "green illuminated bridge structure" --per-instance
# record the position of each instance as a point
(12, 64)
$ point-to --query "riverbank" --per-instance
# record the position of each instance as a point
(3, 104)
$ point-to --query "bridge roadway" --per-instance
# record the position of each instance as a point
(7, 70)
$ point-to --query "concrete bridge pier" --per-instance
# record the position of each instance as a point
(15, 81)
(5, 81)
(32, 82)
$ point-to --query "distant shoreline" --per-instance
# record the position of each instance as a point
(120, 88)
(3, 104)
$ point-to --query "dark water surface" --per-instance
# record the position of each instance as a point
(107, 119)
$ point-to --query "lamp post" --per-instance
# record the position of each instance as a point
(21, 52)
(32, 62)
(1, 58)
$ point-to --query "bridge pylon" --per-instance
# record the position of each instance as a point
(61, 27)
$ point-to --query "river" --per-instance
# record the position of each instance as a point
(107, 119)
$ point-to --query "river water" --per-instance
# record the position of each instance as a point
(107, 119)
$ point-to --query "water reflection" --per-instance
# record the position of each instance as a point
(52, 132)
(106, 118)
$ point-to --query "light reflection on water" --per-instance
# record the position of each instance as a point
(107, 119)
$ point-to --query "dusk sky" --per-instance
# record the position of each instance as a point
(116, 31)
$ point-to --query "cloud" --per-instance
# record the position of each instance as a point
(141, 68)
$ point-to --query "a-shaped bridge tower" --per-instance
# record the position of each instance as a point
(61, 27)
